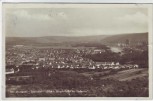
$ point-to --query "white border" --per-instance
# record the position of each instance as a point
(83, 1)
(2, 45)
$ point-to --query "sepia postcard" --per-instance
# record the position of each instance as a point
(64, 50)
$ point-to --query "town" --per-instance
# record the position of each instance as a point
(20, 56)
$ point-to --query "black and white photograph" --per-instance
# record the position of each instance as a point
(76, 50)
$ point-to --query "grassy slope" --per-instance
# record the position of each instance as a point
(107, 90)
(128, 74)
(121, 75)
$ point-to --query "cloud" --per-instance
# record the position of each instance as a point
(26, 15)
(138, 18)
(86, 31)
(75, 21)
(62, 15)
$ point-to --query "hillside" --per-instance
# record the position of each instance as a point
(104, 39)
(52, 39)
(128, 74)
(123, 75)
(133, 38)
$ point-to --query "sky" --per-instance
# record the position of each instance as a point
(37, 22)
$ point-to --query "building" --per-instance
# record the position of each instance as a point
(106, 63)
(10, 69)
(97, 51)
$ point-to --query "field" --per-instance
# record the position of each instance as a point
(125, 75)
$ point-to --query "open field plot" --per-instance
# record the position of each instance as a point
(128, 74)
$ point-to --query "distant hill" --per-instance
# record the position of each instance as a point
(52, 39)
(133, 38)
(104, 39)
